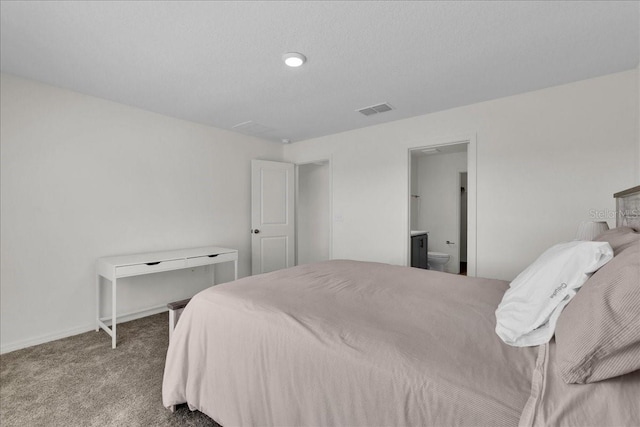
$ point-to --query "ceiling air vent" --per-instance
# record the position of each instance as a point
(252, 128)
(375, 109)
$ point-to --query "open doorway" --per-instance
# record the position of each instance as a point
(313, 212)
(463, 223)
(436, 203)
(442, 204)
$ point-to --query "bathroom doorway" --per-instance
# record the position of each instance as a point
(463, 223)
(313, 212)
(442, 202)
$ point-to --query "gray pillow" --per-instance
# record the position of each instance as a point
(598, 333)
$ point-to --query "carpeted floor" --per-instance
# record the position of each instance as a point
(81, 381)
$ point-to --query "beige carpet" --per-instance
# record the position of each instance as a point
(81, 381)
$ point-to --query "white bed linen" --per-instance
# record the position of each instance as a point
(529, 310)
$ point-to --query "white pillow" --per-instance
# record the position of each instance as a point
(531, 306)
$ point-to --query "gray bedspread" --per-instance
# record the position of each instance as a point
(614, 402)
(348, 343)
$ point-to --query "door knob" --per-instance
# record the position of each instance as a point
(256, 231)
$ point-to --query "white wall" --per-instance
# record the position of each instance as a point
(545, 161)
(83, 178)
(638, 126)
(438, 183)
(312, 228)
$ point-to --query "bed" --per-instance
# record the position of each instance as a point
(358, 343)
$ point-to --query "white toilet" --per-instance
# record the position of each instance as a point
(437, 260)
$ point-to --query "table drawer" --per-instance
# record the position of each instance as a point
(207, 259)
(151, 267)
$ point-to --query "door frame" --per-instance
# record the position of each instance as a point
(472, 200)
(297, 199)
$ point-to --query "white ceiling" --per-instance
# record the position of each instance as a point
(220, 63)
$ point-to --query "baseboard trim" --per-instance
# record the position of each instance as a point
(42, 339)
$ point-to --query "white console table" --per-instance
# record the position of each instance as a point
(116, 267)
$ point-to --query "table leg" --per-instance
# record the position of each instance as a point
(113, 313)
(97, 302)
(235, 267)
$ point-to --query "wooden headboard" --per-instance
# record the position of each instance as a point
(628, 207)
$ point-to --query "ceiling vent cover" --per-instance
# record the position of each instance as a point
(252, 128)
(375, 109)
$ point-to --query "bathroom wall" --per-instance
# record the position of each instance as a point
(439, 189)
(415, 201)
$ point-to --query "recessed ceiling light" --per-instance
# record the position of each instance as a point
(294, 59)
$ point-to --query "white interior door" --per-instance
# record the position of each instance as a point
(272, 216)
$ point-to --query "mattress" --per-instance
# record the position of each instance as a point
(348, 343)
